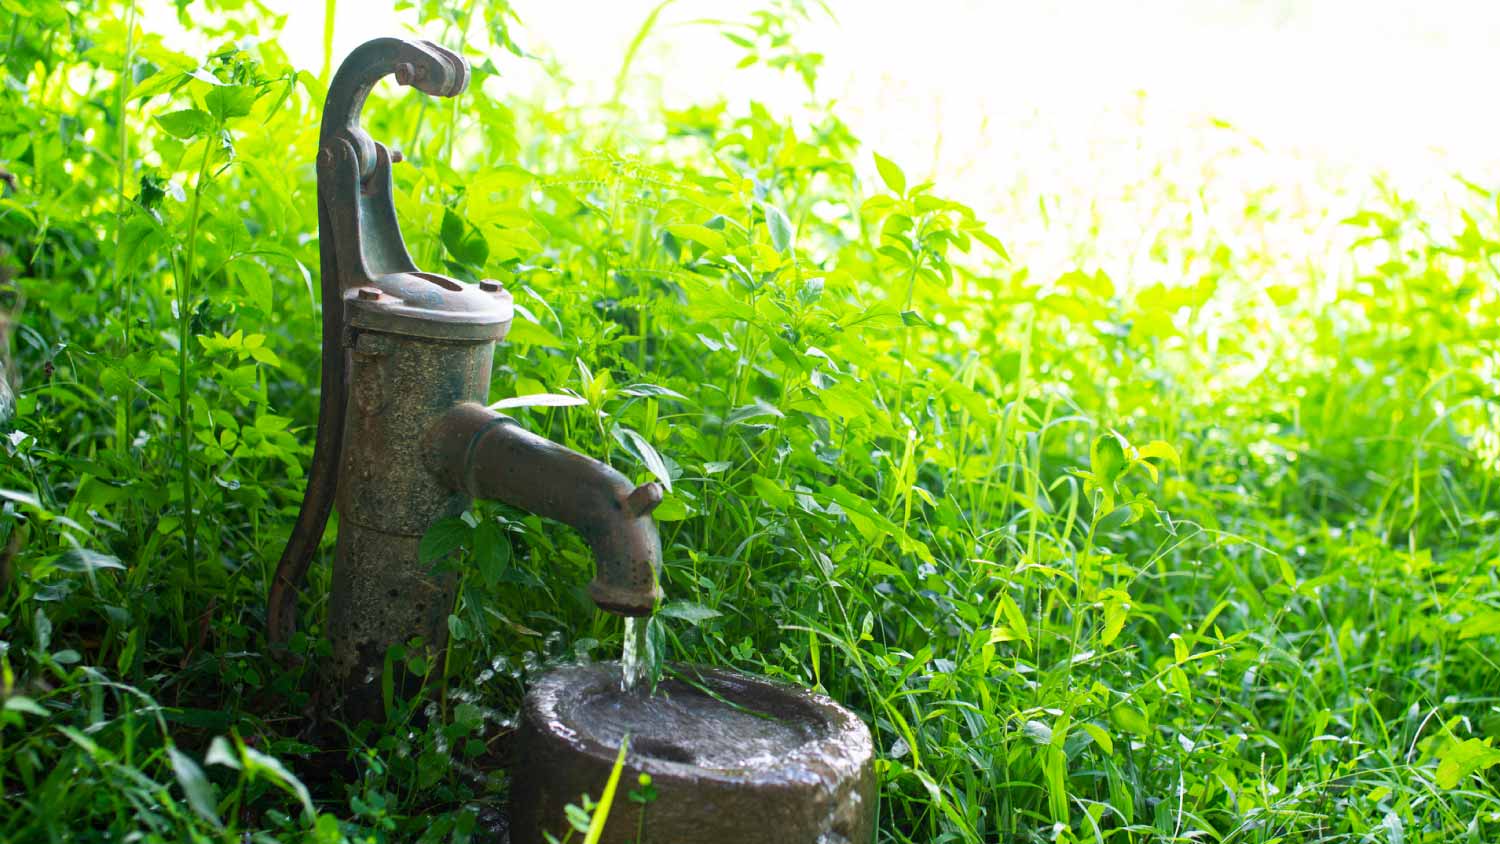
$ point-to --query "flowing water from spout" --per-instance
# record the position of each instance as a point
(635, 659)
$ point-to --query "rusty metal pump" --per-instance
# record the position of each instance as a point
(404, 438)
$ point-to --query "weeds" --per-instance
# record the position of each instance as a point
(1190, 542)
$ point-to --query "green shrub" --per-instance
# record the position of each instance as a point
(1202, 549)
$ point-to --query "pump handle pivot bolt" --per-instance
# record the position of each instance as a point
(410, 74)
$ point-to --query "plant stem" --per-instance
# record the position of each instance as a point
(911, 289)
(184, 328)
(330, 10)
(121, 165)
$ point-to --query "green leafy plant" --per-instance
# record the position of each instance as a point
(1191, 539)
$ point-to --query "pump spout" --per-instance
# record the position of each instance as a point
(481, 453)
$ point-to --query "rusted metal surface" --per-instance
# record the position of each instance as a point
(489, 456)
(403, 437)
(343, 230)
(781, 765)
(382, 593)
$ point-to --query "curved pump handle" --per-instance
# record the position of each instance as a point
(421, 64)
(358, 237)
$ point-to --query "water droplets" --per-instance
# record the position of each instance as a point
(635, 658)
(552, 646)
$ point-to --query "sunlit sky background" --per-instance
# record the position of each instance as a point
(1006, 99)
(1378, 80)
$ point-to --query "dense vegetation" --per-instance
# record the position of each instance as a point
(1196, 543)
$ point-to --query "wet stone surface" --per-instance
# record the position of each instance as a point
(682, 724)
(731, 758)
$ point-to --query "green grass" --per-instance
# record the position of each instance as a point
(1194, 541)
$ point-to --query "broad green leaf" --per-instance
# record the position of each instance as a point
(1116, 610)
(1486, 623)
(22, 703)
(755, 410)
(1038, 732)
(538, 400)
(688, 611)
(220, 752)
(649, 456)
(991, 241)
(1131, 720)
(230, 101)
(671, 509)
(524, 332)
(199, 791)
(779, 226)
(81, 560)
(702, 235)
(1107, 458)
(891, 174)
(772, 493)
(1100, 736)
(327, 830)
(206, 77)
(256, 281)
(844, 399)
(257, 763)
(1159, 449)
(1459, 759)
(41, 627)
(1015, 620)
(464, 242)
(999, 635)
(443, 538)
(1181, 650)
(651, 391)
(1284, 567)
(492, 552)
(186, 124)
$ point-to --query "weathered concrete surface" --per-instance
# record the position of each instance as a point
(382, 594)
(787, 767)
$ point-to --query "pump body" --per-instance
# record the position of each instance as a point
(381, 594)
(403, 436)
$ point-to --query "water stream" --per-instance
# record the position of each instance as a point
(635, 658)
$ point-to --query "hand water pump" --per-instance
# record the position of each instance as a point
(404, 438)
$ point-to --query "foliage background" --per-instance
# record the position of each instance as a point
(1176, 528)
